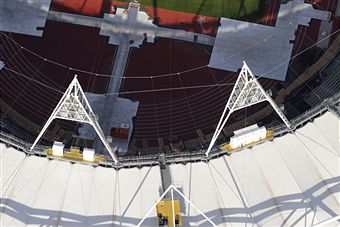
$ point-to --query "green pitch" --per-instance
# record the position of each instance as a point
(251, 10)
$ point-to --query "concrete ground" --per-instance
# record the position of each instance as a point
(266, 49)
(120, 111)
(23, 16)
(326, 28)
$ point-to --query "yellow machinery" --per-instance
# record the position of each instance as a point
(75, 154)
(165, 213)
(269, 135)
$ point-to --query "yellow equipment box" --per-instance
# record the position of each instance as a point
(165, 213)
(75, 154)
(269, 135)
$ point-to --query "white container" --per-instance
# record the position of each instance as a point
(58, 148)
(88, 154)
(247, 135)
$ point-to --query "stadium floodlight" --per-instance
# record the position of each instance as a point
(73, 106)
(247, 91)
(171, 188)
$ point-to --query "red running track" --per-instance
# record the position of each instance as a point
(95, 8)
(271, 12)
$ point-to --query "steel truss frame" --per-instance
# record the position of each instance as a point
(73, 106)
(247, 91)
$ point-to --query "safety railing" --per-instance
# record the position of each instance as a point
(327, 104)
(331, 104)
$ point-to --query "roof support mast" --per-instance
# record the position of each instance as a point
(73, 106)
(247, 91)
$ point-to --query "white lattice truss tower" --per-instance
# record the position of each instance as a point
(73, 106)
(171, 188)
(247, 91)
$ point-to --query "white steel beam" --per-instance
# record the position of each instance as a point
(329, 221)
(73, 106)
(173, 207)
(247, 91)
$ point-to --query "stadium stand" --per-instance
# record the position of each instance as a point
(329, 85)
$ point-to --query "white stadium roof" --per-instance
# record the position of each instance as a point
(292, 180)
